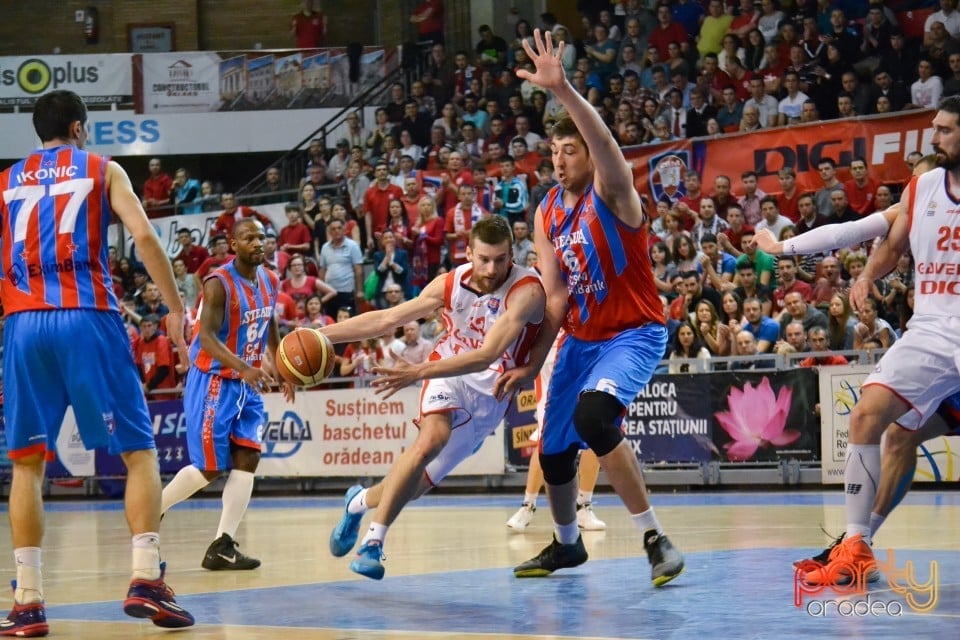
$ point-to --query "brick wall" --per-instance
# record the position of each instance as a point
(209, 24)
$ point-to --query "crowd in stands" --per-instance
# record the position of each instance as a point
(392, 205)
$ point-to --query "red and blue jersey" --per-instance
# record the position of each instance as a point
(605, 264)
(54, 216)
(248, 312)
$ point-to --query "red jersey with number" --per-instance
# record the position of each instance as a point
(54, 216)
(606, 267)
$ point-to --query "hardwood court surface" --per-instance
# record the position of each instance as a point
(449, 562)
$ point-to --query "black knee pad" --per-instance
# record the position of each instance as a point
(559, 468)
(597, 421)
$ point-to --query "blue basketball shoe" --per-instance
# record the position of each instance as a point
(25, 620)
(367, 562)
(153, 599)
(344, 535)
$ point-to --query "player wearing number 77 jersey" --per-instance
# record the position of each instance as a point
(65, 345)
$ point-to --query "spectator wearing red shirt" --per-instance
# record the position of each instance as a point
(818, 340)
(155, 356)
(376, 203)
(296, 236)
(286, 312)
(787, 200)
(233, 212)
(157, 189)
(667, 31)
(787, 277)
(192, 255)
(861, 188)
(272, 258)
(428, 16)
(459, 221)
(220, 255)
(308, 27)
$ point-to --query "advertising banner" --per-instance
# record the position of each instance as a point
(352, 433)
(728, 416)
(199, 82)
(103, 78)
(883, 141)
(938, 459)
(200, 225)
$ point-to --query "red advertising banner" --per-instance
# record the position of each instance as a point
(883, 141)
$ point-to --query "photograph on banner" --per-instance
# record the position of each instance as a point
(520, 422)
(763, 417)
(671, 420)
(351, 433)
(883, 141)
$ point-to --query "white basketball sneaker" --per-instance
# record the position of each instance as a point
(588, 520)
(522, 518)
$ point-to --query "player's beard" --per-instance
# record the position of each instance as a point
(945, 160)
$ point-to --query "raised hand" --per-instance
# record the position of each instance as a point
(547, 60)
(767, 243)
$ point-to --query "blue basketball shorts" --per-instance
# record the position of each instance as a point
(219, 411)
(620, 366)
(71, 357)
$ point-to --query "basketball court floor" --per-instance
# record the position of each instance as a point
(449, 560)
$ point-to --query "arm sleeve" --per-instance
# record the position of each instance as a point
(833, 236)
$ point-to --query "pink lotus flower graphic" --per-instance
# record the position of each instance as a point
(756, 419)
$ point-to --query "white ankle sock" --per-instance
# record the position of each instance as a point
(646, 521)
(375, 532)
(530, 498)
(146, 555)
(29, 576)
(359, 503)
(236, 497)
(584, 497)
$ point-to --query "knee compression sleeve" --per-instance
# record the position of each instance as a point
(559, 468)
(597, 421)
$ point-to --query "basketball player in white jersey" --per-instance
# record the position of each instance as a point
(492, 310)
(922, 368)
(899, 455)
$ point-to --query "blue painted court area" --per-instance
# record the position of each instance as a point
(724, 594)
(486, 501)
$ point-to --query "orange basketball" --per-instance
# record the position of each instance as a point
(305, 357)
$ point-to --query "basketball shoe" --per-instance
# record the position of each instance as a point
(223, 554)
(554, 556)
(666, 563)
(344, 535)
(850, 561)
(522, 518)
(153, 599)
(367, 563)
(822, 558)
(25, 620)
(587, 519)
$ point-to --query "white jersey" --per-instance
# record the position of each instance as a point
(935, 244)
(468, 314)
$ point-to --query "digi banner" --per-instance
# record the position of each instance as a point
(938, 459)
(104, 78)
(883, 141)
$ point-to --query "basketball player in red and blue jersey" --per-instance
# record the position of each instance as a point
(600, 287)
(65, 344)
(222, 405)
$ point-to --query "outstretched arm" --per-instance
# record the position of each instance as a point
(830, 236)
(525, 307)
(884, 258)
(613, 179)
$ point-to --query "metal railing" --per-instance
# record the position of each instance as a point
(293, 163)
